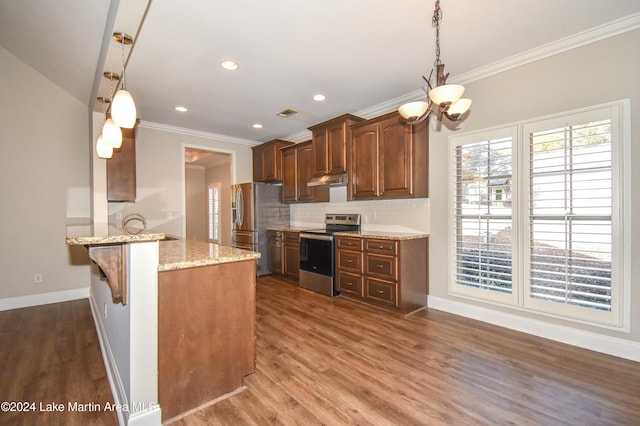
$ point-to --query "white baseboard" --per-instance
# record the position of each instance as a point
(584, 339)
(43, 298)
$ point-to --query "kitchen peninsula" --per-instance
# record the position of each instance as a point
(180, 334)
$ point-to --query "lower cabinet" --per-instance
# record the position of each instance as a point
(392, 273)
(292, 255)
(284, 254)
(276, 252)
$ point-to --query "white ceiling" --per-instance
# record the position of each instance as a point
(358, 53)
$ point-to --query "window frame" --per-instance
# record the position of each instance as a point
(619, 316)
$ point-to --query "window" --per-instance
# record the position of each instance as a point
(536, 215)
(214, 212)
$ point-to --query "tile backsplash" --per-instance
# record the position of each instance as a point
(404, 215)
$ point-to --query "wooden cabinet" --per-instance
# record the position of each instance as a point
(276, 252)
(292, 255)
(267, 161)
(330, 145)
(121, 169)
(296, 172)
(388, 159)
(384, 272)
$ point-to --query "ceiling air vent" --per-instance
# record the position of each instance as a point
(286, 113)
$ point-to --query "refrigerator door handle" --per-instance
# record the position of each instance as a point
(240, 207)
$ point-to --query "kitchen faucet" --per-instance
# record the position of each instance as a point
(131, 217)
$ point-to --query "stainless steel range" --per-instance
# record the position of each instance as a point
(317, 253)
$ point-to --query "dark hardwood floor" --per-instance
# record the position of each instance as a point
(333, 361)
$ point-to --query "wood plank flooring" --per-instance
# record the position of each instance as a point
(333, 361)
(50, 354)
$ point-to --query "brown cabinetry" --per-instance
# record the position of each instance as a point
(276, 252)
(121, 169)
(296, 172)
(388, 273)
(388, 159)
(284, 254)
(292, 255)
(267, 161)
(330, 145)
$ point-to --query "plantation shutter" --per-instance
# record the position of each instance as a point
(483, 215)
(570, 215)
(214, 212)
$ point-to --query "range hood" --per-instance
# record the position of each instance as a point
(329, 180)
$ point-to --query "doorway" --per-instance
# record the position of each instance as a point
(207, 195)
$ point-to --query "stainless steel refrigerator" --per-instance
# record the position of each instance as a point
(254, 207)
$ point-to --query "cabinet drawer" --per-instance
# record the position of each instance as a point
(381, 246)
(350, 260)
(350, 284)
(350, 243)
(382, 266)
(382, 291)
(292, 238)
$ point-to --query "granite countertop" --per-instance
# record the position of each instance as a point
(383, 235)
(97, 234)
(182, 253)
(291, 228)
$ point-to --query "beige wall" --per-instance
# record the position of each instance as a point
(44, 181)
(601, 72)
(160, 174)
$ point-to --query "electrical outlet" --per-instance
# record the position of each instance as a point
(105, 311)
(38, 278)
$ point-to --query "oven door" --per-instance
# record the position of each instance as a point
(316, 254)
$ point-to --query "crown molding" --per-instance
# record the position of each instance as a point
(613, 28)
(197, 133)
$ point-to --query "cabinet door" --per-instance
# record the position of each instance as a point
(292, 255)
(336, 148)
(289, 176)
(320, 149)
(363, 182)
(258, 164)
(305, 173)
(121, 169)
(275, 252)
(270, 163)
(395, 150)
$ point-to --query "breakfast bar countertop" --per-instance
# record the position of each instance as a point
(183, 253)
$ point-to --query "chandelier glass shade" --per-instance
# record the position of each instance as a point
(445, 99)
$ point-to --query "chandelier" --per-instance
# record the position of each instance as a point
(444, 99)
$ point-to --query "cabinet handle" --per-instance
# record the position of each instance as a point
(380, 291)
(380, 247)
(379, 266)
(349, 261)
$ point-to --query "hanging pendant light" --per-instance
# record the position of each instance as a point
(111, 134)
(123, 109)
(445, 99)
(102, 149)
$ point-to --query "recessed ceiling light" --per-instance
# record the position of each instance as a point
(229, 65)
(257, 126)
(319, 98)
(181, 109)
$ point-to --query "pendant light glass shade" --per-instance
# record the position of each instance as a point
(111, 134)
(413, 110)
(446, 93)
(123, 110)
(102, 149)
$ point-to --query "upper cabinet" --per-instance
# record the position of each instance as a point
(388, 159)
(267, 161)
(296, 172)
(121, 170)
(329, 142)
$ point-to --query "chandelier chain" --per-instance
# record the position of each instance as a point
(435, 20)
